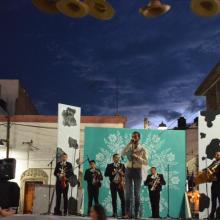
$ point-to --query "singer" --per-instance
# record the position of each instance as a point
(137, 158)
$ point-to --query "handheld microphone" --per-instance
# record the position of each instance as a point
(88, 158)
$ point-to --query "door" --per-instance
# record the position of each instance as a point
(29, 196)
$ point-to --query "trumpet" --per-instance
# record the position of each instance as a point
(155, 184)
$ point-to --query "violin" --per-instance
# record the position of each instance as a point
(120, 180)
(63, 179)
(97, 178)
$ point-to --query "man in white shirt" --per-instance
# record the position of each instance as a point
(137, 158)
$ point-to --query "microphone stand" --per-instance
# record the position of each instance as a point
(79, 165)
(50, 164)
(168, 192)
(132, 186)
(51, 168)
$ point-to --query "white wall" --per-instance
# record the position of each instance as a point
(210, 133)
(44, 139)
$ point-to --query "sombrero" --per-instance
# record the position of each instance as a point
(100, 9)
(154, 8)
(72, 8)
(48, 6)
(205, 7)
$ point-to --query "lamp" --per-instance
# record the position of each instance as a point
(2, 141)
(162, 126)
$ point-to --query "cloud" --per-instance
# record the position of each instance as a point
(158, 62)
(168, 115)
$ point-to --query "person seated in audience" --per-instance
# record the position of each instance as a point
(6, 212)
(97, 212)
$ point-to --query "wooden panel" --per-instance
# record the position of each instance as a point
(29, 196)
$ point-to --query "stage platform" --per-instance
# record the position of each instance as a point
(52, 217)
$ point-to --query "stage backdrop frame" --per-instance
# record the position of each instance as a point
(163, 148)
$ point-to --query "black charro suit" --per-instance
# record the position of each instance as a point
(155, 194)
(215, 192)
(93, 187)
(68, 169)
(114, 187)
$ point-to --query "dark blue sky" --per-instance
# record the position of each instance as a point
(158, 62)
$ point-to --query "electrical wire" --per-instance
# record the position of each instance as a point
(35, 126)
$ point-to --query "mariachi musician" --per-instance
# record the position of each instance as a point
(116, 172)
(63, 172)
(214, 169)
(93, 176)
(154, 182)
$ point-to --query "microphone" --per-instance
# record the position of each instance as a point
(122, 158)
(88, 158)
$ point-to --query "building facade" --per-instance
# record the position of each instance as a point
(210, 88)
(14, 99)
(33, 142)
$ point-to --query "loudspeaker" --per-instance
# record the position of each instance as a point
(72, 206)
(7, 168)
(204, 202)
(9, 194)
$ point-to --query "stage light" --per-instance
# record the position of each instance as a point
(162, 126)
(154, 9)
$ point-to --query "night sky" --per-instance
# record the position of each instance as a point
(158, 63)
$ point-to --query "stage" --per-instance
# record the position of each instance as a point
(52, 217)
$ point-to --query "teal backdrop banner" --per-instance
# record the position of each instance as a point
(166, 151)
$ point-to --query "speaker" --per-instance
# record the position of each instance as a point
(204, 202)
(72, 206)
(7, 168)
(9, 194)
